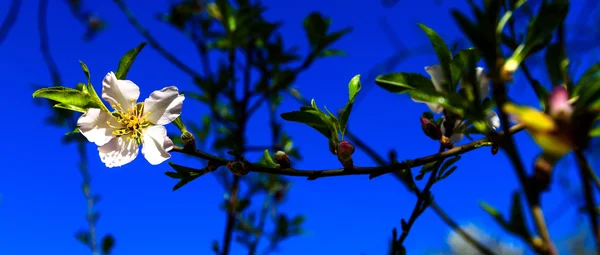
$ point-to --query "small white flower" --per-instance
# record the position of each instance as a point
(492, 120)
(438, 79)
(457, 131)
(119, 134)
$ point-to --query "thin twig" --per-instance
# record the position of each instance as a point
(153, 42)
(89, 198)
(434, 206)
(533, 197)
(314, 174)
(584, 172)
(422, 199)
(44, 44)
(10, 20)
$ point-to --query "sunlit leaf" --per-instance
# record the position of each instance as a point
(127, 60)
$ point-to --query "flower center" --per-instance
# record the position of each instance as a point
(132, 121)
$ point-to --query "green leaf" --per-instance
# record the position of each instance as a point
(595, 132)
(83, 237)
(450, 101)
(443, 53)
(496, 215)
(185, 174)
(268, 160)
(590, 73)
(91, 91)
(517, 219)
(108, 242)
(403, 82)
(315, 26)
(354, 87)
(70, 107)
(539, 30)
(447, 164)
(74, 131)
(556, 64)
(127, 60)
(429, 167)
(310, 117)
(460, 62)
(448, 173)
(66, 97)
(548, 19)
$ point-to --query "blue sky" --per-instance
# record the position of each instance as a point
(41, 204)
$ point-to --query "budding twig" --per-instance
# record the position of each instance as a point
(375, 171)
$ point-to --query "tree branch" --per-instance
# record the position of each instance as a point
(153, 42)
(315, 174)
(584, 172)
(10, 20)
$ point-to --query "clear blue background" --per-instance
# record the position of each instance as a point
(42, 206)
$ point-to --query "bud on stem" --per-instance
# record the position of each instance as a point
(430, 129)
(344, 152)
(282, 159)
(238, 168)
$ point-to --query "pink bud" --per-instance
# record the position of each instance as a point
(345, 150)
(559, 103)
(430, 129)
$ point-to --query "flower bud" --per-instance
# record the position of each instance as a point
(282, 159)
(345, 150)
(189, 142)
(560, 108)
(238, 168)
(430, 129)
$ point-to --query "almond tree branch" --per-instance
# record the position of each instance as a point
(508, 144)
(422, 200)
(153, 42)
(434, 206)
(584, 172)
(11, 18)
(315, 174)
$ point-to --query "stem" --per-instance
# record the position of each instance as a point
(44, 44)
(533, 197)
(10, 20)
(153, 42)
(373, 170)
(421, 199)
(239, 147)
(90, 215)
(584, 172)
(261, 224)
(436, 208)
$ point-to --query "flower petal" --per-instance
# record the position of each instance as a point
(492, 119)
(435, 108)
(119, 91)
(559, 102)
(455, 138)
(164, 105)
(93, 125)
(530, 117)
(484, 83)
(443, 126)
(118, 152)
(437, 76)
(156, 144)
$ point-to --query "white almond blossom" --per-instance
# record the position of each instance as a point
(438, 79)
(119, 134)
